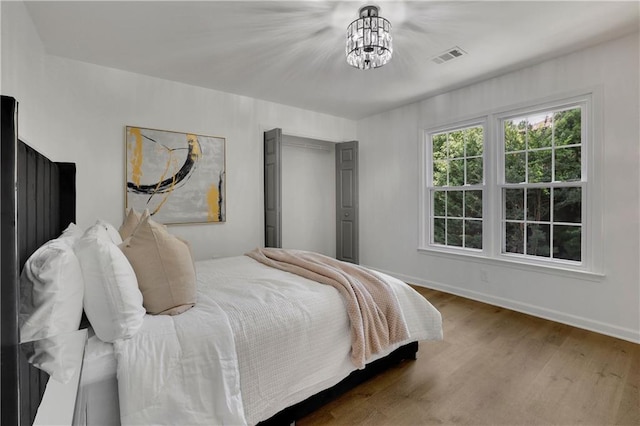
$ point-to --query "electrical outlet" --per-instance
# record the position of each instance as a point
(484, 276)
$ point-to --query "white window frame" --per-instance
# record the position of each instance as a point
(590, 266)
(426, 207)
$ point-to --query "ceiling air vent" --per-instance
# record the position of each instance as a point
(449, 54)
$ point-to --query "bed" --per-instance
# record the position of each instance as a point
(280, 347)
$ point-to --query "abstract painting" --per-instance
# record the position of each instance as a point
(178, 177)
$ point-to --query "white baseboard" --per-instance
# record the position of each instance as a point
(623, 333)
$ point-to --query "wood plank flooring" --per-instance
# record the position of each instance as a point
(499, 367)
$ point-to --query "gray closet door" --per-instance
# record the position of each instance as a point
(272, 188)
(347, 201)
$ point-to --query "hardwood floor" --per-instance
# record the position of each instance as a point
(496, 366)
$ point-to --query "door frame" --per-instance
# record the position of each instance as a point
(272, 185)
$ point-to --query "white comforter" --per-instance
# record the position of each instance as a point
(257, 341)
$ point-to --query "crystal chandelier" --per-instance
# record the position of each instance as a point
(369, 40)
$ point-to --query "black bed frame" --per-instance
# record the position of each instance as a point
(38, 200)
(289, 415)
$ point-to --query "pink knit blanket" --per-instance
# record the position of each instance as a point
(373, 309)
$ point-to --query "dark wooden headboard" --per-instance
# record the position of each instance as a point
(37, 201)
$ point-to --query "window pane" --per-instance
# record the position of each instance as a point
(454, 232)
(439, 231)
(456, 144)
(568, 164)
(566, 127)
(473, 204)
(542, 149)
(439, 148)
(473, 234)
(567, 205)
(439, 203)
(474, 171)
(440, 169)
(514, 168)
(514, 235)
(538, 240)
(567, 242)
(454, 204)
(474, 141)
(457, 160)
(514, 134)
(540, 131)
(513, 204)
(538, 204)
(540, 166)
(456, 172)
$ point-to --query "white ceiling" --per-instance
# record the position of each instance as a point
(292, 52)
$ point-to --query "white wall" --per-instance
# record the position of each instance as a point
(73, 111)
(308, 195)
(23, 68)
(389, 192)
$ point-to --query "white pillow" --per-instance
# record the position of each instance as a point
(60, 356)
(73, 231)
(51, 291)
(112, 232)
(112, 300)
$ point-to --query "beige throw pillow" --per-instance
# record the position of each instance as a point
(129, 225)
(164, 268)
